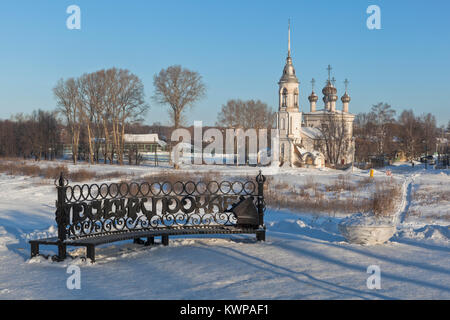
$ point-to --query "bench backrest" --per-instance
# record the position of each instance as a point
(96, 209)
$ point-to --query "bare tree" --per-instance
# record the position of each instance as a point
(335, 140)
(364, 131)
(246, 114)
(125, 102)
(90, 97)
(179, 88)
(382, 117)
(103, 110)
(409, 133)
(69, 105)
(429, 132)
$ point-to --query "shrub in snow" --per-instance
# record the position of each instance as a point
(368, 229)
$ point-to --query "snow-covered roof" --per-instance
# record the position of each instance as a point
(311, 132)
(151, 137)
(325, 111)
(143, 138)
(312, 152)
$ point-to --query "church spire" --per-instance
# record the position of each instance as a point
(289, 71)
(289, 38)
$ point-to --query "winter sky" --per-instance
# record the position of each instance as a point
(239, 47)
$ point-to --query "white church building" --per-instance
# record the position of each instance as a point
(301, 134)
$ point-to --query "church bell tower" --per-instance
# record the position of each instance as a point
(289, 118)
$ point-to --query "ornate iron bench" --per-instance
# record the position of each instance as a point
(90, 215)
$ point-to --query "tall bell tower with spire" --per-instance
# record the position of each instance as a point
(289, 118)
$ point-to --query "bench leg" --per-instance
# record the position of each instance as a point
(165, 240)
(90, 252)
(150, 241)
(62, 254)
(34, 249)
(138, 241)
(261, 235)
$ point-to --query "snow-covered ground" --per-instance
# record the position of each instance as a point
(304, 256)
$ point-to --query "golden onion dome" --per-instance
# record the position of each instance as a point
(313, 97)
(333, 97)
(329, 89)
(345, 98)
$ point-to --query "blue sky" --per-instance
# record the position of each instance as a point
(239, 47)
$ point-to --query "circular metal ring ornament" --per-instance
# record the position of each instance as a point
(110, 190)
(104, 187)
(251, 190)
(91, 191)
(164, 189)
(144, 188)
(229, 186)
(74, 192)
(85, 191)
(201, 187)
(193, 188)
(239, 184)
(178, 188)
(209, 187)
(134, 186)
(155, 188)
(127, 189)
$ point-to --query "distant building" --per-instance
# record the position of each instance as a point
(144, 142)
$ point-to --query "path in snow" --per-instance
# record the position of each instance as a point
(406, 197)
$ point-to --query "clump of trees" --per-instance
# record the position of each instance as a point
(93, 113)
(99, 105)
(35, 136)
(380, 133)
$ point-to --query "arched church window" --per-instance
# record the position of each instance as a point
(284, 101)
(296, 99)
(282, 124)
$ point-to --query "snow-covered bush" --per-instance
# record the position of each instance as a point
(367, 229)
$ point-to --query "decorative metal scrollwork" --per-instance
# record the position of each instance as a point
(84, 210)
(79, 193)
(61, 181)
